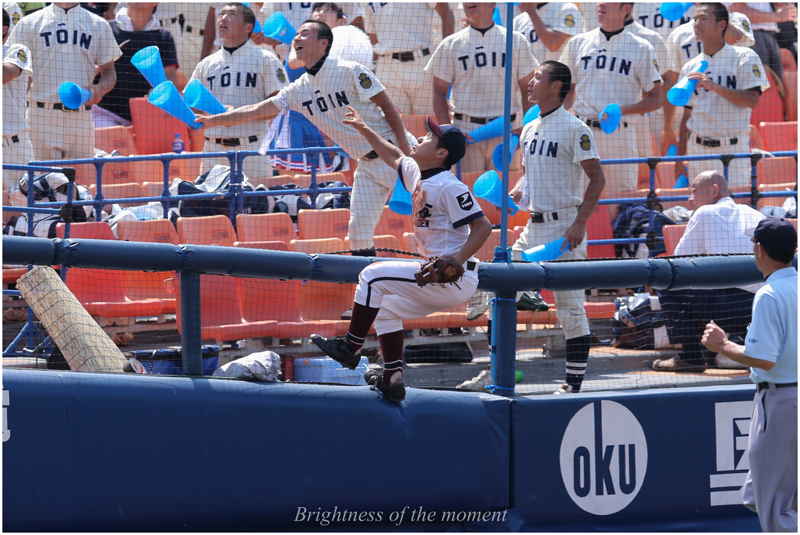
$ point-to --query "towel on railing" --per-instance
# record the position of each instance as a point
(278, 131)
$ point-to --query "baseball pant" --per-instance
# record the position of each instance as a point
(770, 487)
(407, 84)
(16, 153)
(620, 178)
(569, 304)
(60, 135)
(479, 155)
(254, 167)
(686, 313)
(739, 168)
(391, 286)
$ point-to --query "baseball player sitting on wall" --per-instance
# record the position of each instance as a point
(323, 95)
(449, 227)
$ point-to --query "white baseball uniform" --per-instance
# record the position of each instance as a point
(474, 63)
(186, 22)
(65, 46)
(443, 209)
(605, 71)
(407, 35)
(351, 44)
(247, 76)
(717, 126)
(649, 15)
(553, 147)
(323, 99)
(17, 148)
(565, 18)
(14, 13)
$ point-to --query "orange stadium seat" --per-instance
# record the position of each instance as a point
(102, 291)
(114, 138)
(790, 101)
(265, 227)
(770, 105)
(155, 131)
(317, 224)
(779, 136)
(278, 180)
(673, 192)
(598, 227)
(153, 231)
(789, 64)
(665, 175)
(672, 235)
(756, 141)
(395, 224)
(305, 180)
(209, 230)
(322, 300)
(777, 170)
(486, 252)
(153, 189)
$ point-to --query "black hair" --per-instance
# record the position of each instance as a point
(783, 256)
(6, 18)
(440, 144)
(336, 8)
(249, 16)
(720, 13)
(558, 72)
(323, 32)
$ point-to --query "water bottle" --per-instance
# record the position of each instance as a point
(682, 91)
(178, 146)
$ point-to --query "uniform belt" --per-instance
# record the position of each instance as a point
(762, 386)
(190, 29)
(409, 56)
(167, 22)
(59, 106)
(372, 155)
(13, 139)
(471, 265)
(594, 123)
(544, 217)
(709, 142)
(479, 120)
(232, 141)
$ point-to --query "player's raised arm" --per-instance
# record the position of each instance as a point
(383, 101)
(388, 152)
(480, 230)
(261, 111)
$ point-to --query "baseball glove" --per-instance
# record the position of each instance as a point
(439, 269)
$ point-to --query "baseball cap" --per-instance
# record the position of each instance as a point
(743, 24)
(454, 139)
(776, 234)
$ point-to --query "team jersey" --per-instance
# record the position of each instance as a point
(65, 47)
(565, 18)
(403, 26)
(682, 45)
(351, 44)
(649, 15)
(14, 91)
(733, 67)
(662, 56)
(606, 71)
(299, 12)
(323, 99)
(194, 13)
(553, 148)
(443, 206)
(247, 76)
(474, 63)
(14, 13)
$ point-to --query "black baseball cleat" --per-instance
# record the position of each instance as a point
(337, 349)
(396, 392)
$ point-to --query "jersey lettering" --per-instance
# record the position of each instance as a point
(533, 37)
(322, 105)
(687, 48)
(552, 147)
(730, 81)
(658, 21)
(225, 80)
(623, 66)
(303, 5)
(62, 38)
(423, 216)
(480, 59)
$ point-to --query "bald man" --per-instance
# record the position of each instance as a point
(716, 227)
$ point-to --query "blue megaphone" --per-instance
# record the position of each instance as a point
(73, 96)
(683, 90)
(547, 252)
(682, 182)
(672, 150)
(531, 114)
(166, 97)
(497, 155)
(610, 117)
(490, 130)
(674, 10)
(489, 188)
(198, 96)
(278, 28)
(148, 61)
(400, 203)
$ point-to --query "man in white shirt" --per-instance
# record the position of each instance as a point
(770, 350)
(717, 227)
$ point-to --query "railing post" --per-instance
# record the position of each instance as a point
(191, 351)
(755, 195)
(504, 335)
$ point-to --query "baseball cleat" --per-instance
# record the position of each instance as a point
(395, 392)
(337, 349)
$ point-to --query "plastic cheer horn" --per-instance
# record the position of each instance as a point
(674, 10)
(681, 182)
(531, 114)
(490, 130)
(278, 28)
(400, 203)
(545, 253)
(148, 61)
(682, 91)
(497, 155)
(198, 96)
(166, 97)
(610, 117)
(489, 188)
(73, 96)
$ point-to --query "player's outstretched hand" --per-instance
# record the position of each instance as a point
(354, 119)
(714, 338)
(574, 236)
(207, 120)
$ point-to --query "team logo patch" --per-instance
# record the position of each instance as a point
(15, 18)
(22, 56)
(365, 80)
(465, 201)
(570, 21)
(281, 76)
(655, 63)
(746, 25)
(586, 142)
(756, 71)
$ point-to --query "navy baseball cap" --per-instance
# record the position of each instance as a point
(776, 234)
(454, 139)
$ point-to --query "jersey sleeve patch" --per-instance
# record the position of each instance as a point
(365, 80)
(465, 201)
(586, 142)
(281, 75)
(22, 56)
(756, 71)
(569, 22)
